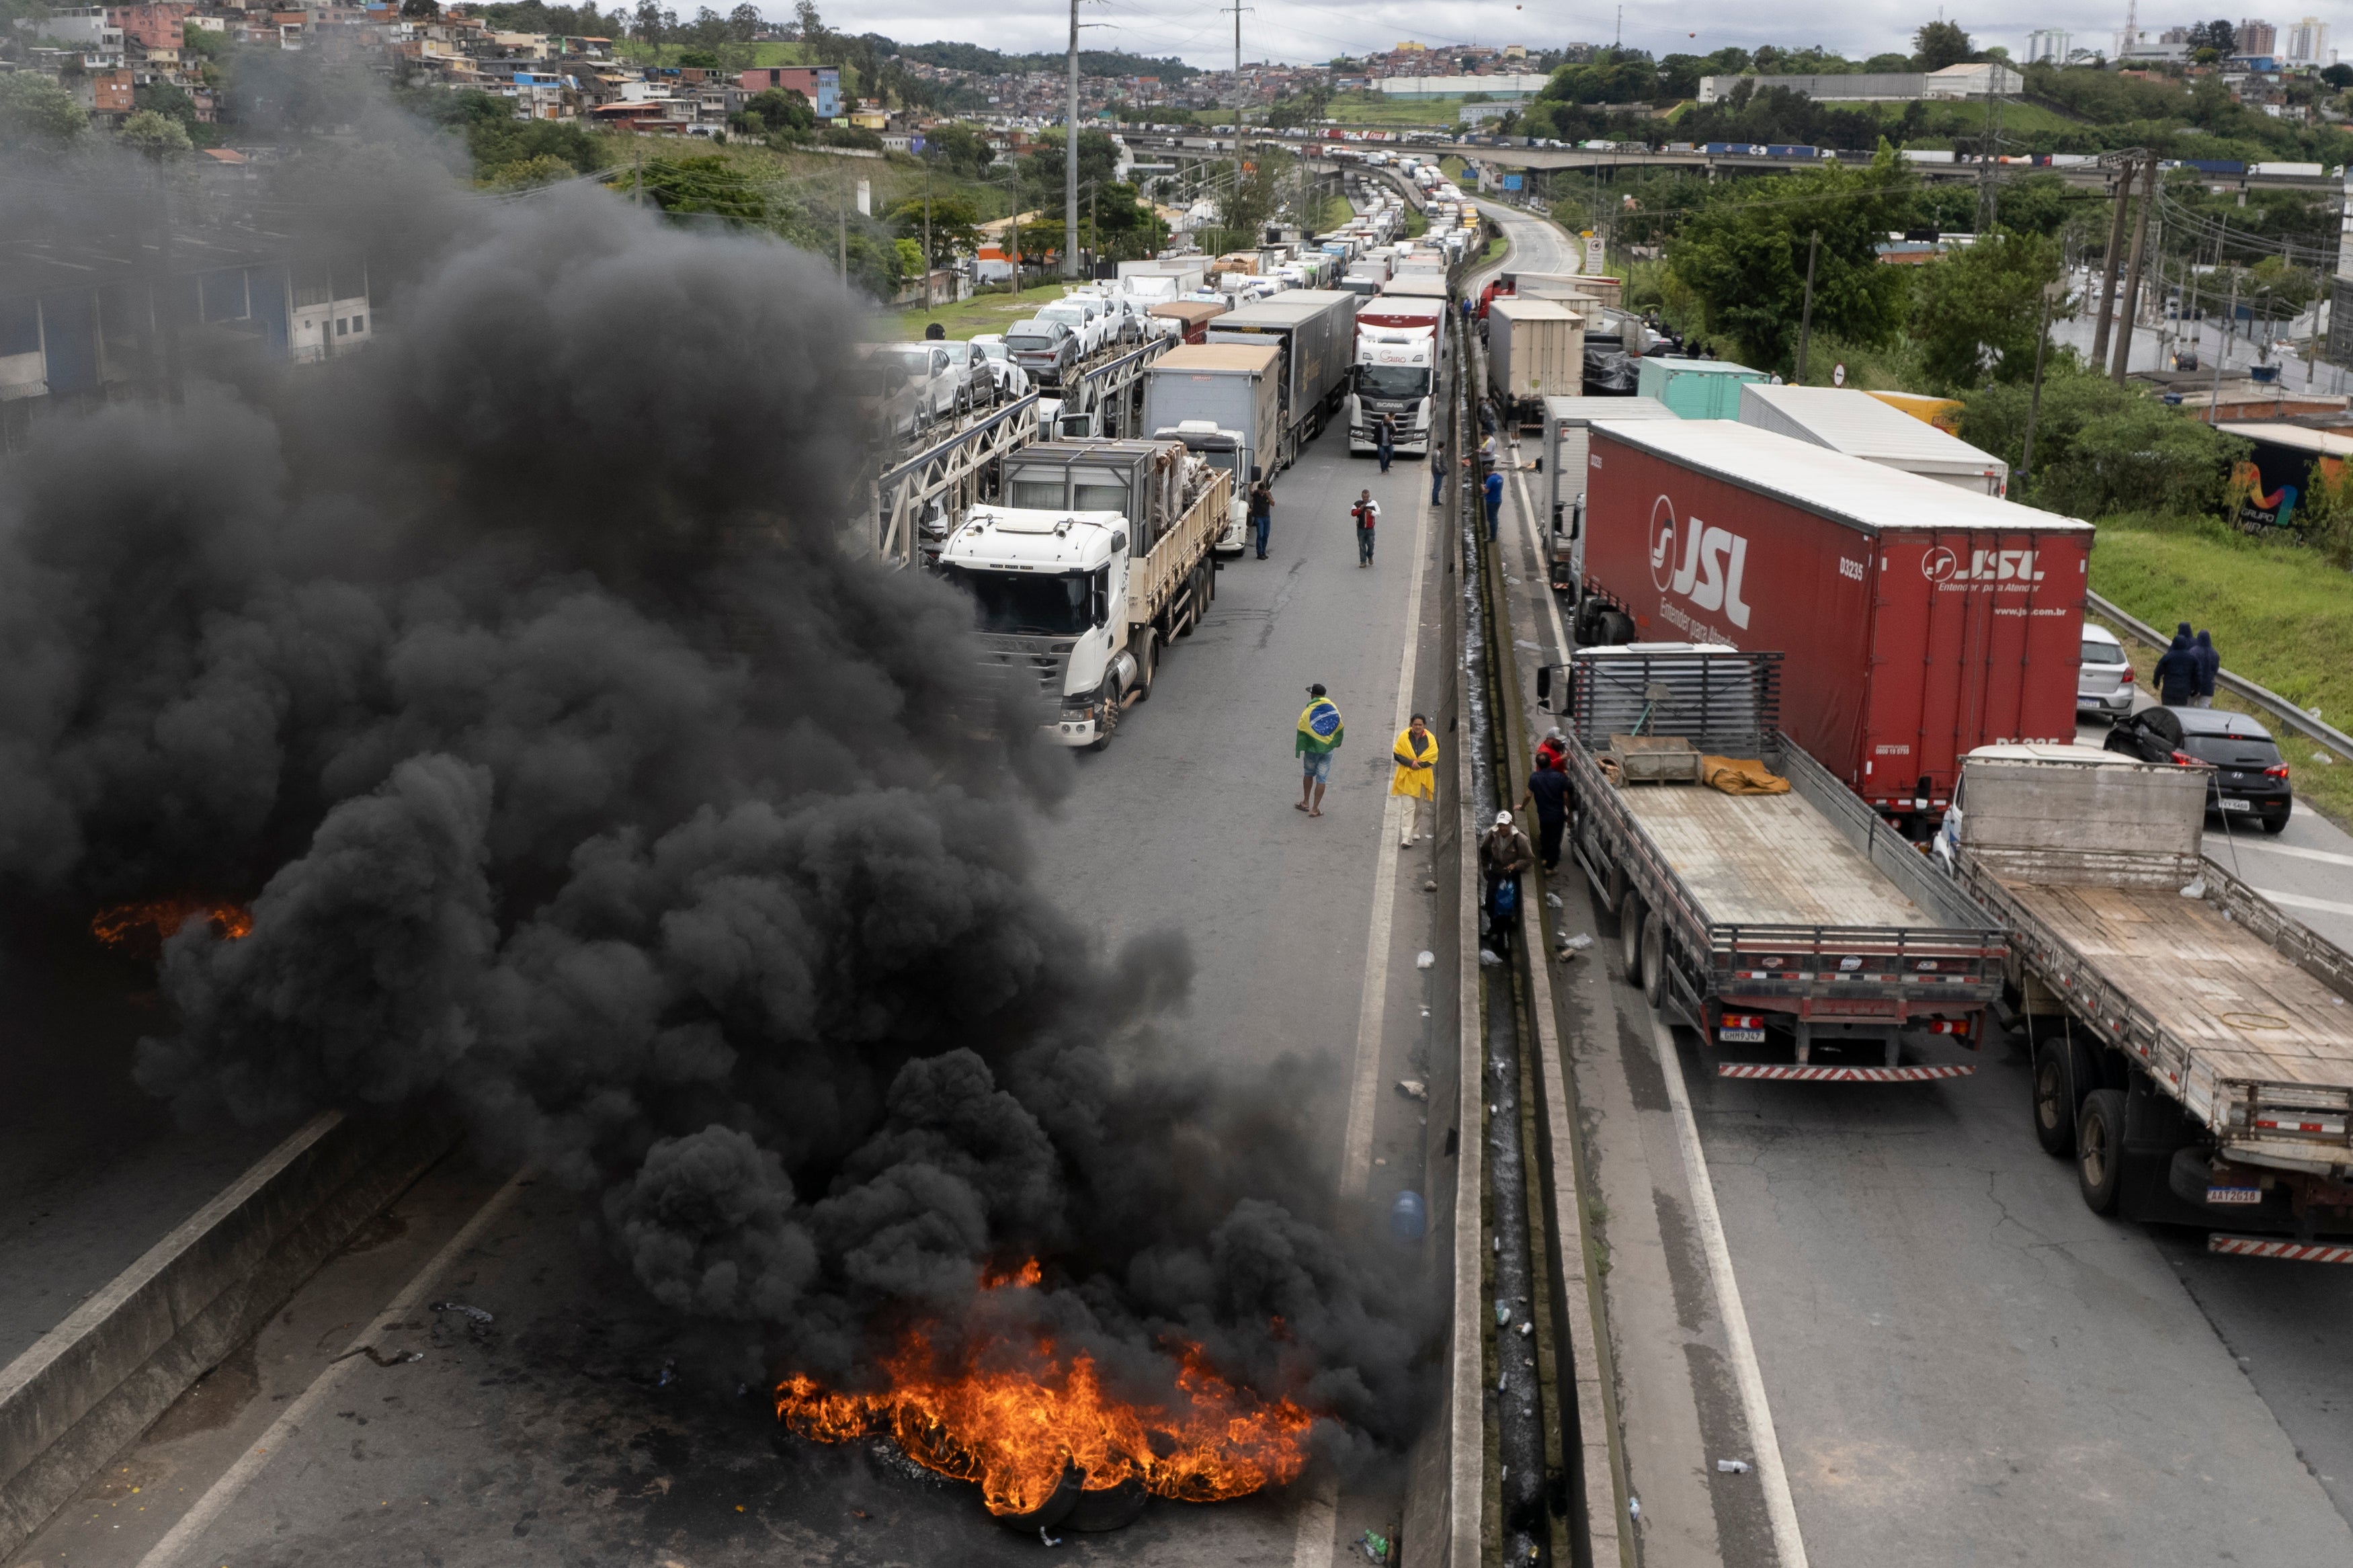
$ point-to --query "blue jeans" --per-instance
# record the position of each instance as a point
(1316, 766)
(1259, 527)
(1437, 483)
(1494, 510)
(1385, 453)
(1365, 544)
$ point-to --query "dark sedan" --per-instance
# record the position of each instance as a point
(2250, 777)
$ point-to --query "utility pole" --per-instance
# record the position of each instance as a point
(1070, 158)
(1986, 196)
(1806, 321)
(841, 224)
(927, 234)
(2115, 258)
(638, 192)
(2214, 398)
(1240, 101)
(2131, 301)
(2034, 402)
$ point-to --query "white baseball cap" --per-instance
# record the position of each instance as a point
(1503, 819)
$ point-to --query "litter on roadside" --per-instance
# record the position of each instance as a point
(1578, 943)
(1376, 1548)
(1488, 957)
(476, 1313)
(1424, 960)
(1735, 1466)
(1413, 1088)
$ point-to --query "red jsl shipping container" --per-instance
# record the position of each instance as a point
(1917, 621)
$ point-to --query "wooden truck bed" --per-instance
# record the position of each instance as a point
(1767, 860)
(2242, 1008)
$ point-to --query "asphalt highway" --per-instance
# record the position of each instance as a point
(547, 1436)
(1963, 1365)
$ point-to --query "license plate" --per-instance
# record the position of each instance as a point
(2234, 1195)
(1742, 1037)
(2231, 805)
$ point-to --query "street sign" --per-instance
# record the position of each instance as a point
(1838, 376)
(1593, 262)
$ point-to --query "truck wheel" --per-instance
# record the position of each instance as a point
(1110, 721)
(1616, 629)
(2054, 1110)
(1148, 662)
(1630, 937)
(2099, 1149)
(1655, 960)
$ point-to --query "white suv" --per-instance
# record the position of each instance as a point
(2104, 684)
(1084, 316)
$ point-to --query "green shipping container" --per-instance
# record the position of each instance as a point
(1697, 388)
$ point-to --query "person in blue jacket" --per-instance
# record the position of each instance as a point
(1494, 502)
(2178, 669)
(2210, 665)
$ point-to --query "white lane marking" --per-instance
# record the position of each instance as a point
(1363, 1094)
(1788, 1544)
(2325, 856)
(2298, 901)
(248, 1466)
(1319, 1515)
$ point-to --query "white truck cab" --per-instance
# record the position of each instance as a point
(1397, 377)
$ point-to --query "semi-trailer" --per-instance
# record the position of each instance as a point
(1315, 330)
(1535, 350)
(1918, 621)
(1567, 421)
(1694, 388)
(2192, 1044)
(1861, 426)
(1223, 402)
(1101, 557)
(1757, 899)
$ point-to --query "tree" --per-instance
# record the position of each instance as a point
(1940, 43)
(1975, 313)
(152, 134)
(2339, 77)
(783, 110)
(648, 25)
(33, 109)
(422, 10)
(818, 46)
(1742, 258)
(954, 225)
(743, 22)
(959, 149)
(2100, 448)
(2218, 36)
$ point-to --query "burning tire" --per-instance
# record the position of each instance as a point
(1114, 1508)
(1054, 1510)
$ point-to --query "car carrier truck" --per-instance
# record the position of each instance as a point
(2192, 1045)
(1098, 560)
(1789, 924)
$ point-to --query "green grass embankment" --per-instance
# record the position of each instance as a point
(2280, 616)
(995, 311)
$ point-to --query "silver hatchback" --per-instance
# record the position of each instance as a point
(2104, 684)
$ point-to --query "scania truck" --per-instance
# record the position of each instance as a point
(1100, 558)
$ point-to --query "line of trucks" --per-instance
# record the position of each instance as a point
(1099, 555)
(1821, 736)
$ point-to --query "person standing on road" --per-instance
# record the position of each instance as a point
(2210, 665)
(1547, 791)
(1415, 752)
(1368, 515)
(1552, 751)
(2176, 670)
(1320, 733)
(1504, 854)
(1261, 514)
(1384, 442)
(1494, 487)
(1437, 470)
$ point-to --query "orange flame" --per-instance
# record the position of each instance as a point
(1015, 1427)
(119, 923)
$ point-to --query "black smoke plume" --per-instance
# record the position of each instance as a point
(526, 675)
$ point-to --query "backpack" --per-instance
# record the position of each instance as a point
(1507, 895)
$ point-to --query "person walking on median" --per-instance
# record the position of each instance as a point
(1494, 502)
(1368, 515)
(1261, 514)
(1320, 733)
(1547, 791)
(2178, 669)
(2210, 665)
(1552, 751)
(1384, 442)
(1415, 752)
(1504, 854)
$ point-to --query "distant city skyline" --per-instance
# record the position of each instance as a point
(1298, 31)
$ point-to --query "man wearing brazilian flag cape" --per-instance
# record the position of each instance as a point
(1319, 736)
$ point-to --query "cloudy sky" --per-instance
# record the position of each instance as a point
(1197, 30)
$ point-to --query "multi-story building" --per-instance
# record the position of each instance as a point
(2257, 37)
(2307, 42)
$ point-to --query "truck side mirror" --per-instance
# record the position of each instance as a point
(1119, 543)
(1544, 687)
(1257, 473)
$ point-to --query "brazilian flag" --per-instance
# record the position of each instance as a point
(1319, 726)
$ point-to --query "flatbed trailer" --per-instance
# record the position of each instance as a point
(2193, 1045)
(1796, 919)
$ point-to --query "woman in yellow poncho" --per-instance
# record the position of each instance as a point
(1415, 778)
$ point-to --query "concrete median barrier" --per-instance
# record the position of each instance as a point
(100, 1378)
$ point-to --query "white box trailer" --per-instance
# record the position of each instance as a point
(1568, 422)
(1854, 422)
(1535, 350)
